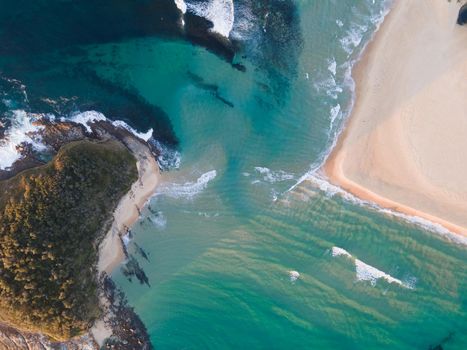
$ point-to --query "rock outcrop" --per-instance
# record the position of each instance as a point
(462, 17)
(11, 339)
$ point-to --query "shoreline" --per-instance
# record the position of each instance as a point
(375, 157)
(111, 250)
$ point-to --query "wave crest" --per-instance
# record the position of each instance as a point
(219, 12)
(189, 189)
(365, 272)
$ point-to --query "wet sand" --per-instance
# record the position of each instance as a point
(404, 145)
(111, 252)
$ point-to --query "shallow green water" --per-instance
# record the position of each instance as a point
(221, 251)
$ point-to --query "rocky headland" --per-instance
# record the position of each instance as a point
(58, 207)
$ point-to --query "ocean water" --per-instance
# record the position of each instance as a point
(249, 247)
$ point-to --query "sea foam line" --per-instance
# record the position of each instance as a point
(189, 189)
(365, 272)
(324, 185)
(337, 114)
(273, 176)
(89, 117)
(24, 131)
(331, 190)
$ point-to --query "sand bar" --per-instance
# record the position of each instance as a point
(405, 143)
(126, 214)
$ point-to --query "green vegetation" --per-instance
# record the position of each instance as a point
(51, 220)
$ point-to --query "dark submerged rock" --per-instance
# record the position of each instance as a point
(129, 332)
(462, 17)
(133, 269)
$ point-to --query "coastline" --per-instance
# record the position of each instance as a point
(111, 250)
(409, 102)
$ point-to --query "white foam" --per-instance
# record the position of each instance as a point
(427, 225)
(189, 189)
(21, 131)
(332, 66)
(274, 176)
(336, 251)
(219, 12)
(294, 276)
(181, 5)
(158, 220)
(143, 136)
(353, 38)
(332, 89)
(365, 272)
(329, 86)
(86, 118)
(369, 273)
(335, 110)
(168, 158)
(331, 190)
(339, 23)
(89, 117)
(126, 239)
(244, 22)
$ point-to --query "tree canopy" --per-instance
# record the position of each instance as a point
(51, 221)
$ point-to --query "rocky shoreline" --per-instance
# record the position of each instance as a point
(128, 331)
(55, 134)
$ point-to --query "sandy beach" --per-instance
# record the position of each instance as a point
(404, 145)
(126, 214)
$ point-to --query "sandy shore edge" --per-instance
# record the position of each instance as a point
(389, 95)
(111, 252)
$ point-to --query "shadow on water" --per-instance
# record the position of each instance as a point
(61, 88)
(44, 25)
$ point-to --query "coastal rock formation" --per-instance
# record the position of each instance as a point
(87, 154)
(12, 339)
(73, 146)
(105, 21)
(128, 330)
(462, 17)
(52, 218)
(55, 134)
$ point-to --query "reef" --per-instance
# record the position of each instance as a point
(129, 331)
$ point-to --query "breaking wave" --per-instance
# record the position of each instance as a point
(365, 272)
(352, 41)
(294, 276)
(21, 132)
(189, 189)
(219, 12)
(181, 5)
(24, 132)
(331, 190)
(271, 176)
(158, 220)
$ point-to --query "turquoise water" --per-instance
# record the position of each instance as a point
(221, 251)
(237, 260)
